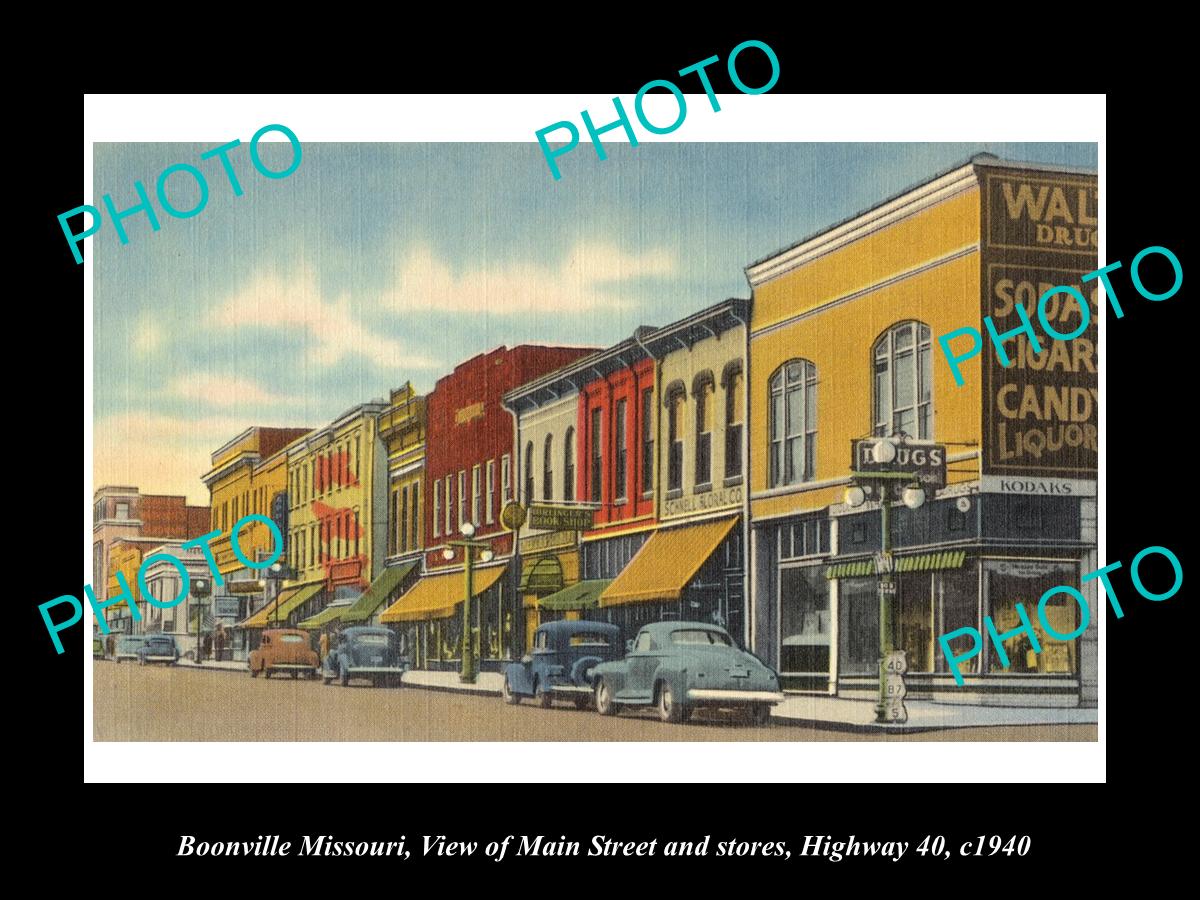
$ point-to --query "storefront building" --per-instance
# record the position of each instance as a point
(248, 477)
(124, 512)
(337, 518)
(692, 568)
(164, 582)
(401, 428)
(843, 346)
(471, 461)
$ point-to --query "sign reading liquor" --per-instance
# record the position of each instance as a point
(1039, 410)
(559, 518)
(926, 463)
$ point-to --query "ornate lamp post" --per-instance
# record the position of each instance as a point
(200, 590)
(469, 668)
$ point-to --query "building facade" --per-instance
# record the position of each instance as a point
(842, 345)
(692, 567)
(120, 512)
(471, 464)
(164, 582)
(248, 477)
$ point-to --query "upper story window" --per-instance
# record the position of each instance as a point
(793, 423)
(437, 507)
(703, 391)
(529, 473)
(620, 468)
(569, 465)
(597, 469)
(506, 478)
(548, 469)
(903, 386)
(122, 509)
(491, 490)
(676, 397)
(735, 417)
(476, 495)
(647, 441)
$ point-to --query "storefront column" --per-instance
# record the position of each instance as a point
(1089, 641)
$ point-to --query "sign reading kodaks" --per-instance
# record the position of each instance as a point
(1040, 410)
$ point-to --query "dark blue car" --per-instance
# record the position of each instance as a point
(365, 652)
(158, 648)
(561, 662)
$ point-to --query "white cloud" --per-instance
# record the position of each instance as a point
(333, 329)
(222, 391)
(148, 336)
(575, 285)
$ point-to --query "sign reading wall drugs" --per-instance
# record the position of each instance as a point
(925, 462)
(559, 518)
(1040, 411)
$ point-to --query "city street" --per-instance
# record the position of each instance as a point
(155, 703)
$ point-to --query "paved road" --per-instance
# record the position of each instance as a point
(154, 703)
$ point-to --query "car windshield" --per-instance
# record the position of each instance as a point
(589, 640)
(697, 636)
(160, 642)
(373, 639)
(293, 639)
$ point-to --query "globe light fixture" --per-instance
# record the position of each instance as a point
(855, 496)
(914, 497)
(448, 554)
(468, 530)
(486, 556)
(883, 452)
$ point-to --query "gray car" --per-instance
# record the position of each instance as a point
(680, 666)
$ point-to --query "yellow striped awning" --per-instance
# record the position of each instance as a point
(287, 601)
(666, 563)
(436, 596)
(923, 562)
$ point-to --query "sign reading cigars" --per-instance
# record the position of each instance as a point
(559, 518)
(1040, 411)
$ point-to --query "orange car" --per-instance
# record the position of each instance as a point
(284, 650)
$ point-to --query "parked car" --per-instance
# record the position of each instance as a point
(128, 646)
(679, 666)
(365, 652)
(561, 662)
(97, 648)
(158, 648)
(284, 650)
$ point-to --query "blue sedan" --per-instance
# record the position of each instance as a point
(561, 663)
(366, 652)
(158, 648)
(679, 666)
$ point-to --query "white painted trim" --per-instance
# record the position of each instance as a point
(407, 469)
(908, 204)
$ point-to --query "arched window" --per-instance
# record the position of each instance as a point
(676, 397)
(703, 392)
(793, 423)
(734, 383)
(569, 465)
(529, 473)
(548, 469)
(903, 394)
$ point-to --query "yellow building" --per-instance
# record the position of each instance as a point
(248, 477)
(843, 346)
(401, 428)
(337, 517)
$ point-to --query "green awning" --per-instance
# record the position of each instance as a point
(583, 595)
(324, 617)
(923, 562)
(377, 594)
(278, 610)
(542, 577)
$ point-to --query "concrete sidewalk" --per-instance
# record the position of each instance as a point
(489, 683)
(923, 715)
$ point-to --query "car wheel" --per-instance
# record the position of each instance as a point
(605, 705)
(545, 699)
(141, 660)
(253, 672)
(345, 676)
(295, 675)
(760, 714)
(266, 671)
(669, 707)
(581, 702)
(328, 679)
(510, 696)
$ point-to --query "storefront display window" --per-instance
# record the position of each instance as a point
(804, 627)
(957, 595)
(913, 621)
(858, 626)
(1024, 581)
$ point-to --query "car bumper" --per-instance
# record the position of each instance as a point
(160, 658)
(287, 667)
(706, 695)
(121, 656)
(570, 689)
(375, 670)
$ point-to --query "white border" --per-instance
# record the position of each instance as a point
(486, 118)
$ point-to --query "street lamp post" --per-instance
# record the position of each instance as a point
(469, 669)
(887, 486)
(200, 591)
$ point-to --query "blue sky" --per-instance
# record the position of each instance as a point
(373, 264)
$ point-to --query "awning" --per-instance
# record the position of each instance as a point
(923, 562)
(545, 576)
(666, 563)
(582, 595)
(282, 606)
(379, 592)
(436, 596)
(324, 617)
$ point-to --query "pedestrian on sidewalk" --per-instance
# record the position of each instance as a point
(323, 644)
(219, 641)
